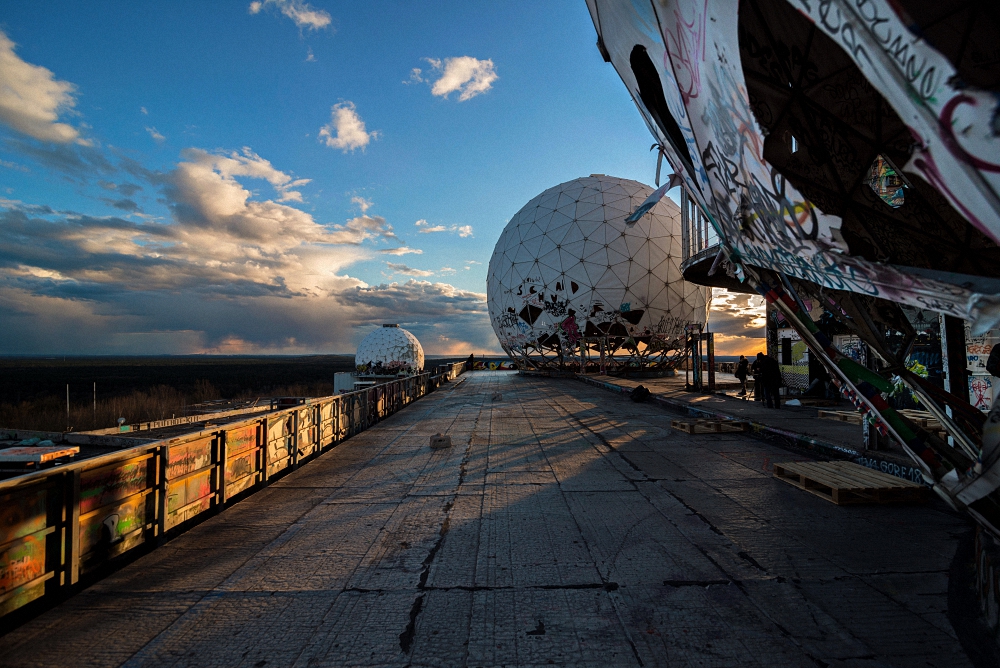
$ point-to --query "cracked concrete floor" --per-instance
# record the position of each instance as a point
(567, 526)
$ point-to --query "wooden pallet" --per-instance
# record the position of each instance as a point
(706, 426)
(922, 418)
(848, 483)
(844, 416)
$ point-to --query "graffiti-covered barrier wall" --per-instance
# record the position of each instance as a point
(60, 524)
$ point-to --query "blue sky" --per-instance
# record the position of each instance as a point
(242, 177)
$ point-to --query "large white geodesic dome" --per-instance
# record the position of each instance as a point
(571, 285)
(390, 349)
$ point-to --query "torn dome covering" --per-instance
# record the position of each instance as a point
(838, 142)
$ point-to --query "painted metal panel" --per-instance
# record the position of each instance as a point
(22, 513)
(22, 571)
(237, 486)
(240, 440)
(105, 529)
(187, 490)
(280, 442)
(306, 441)
(189, 457)
(242, 465)
(22, 561)
(187, 512)
(108, 484)
(326, 423)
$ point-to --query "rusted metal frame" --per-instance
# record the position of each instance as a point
(71, 546)
(956, 460)
(956, 432)
(59, 498)
(292, 441)
(865, 328)
(161, 492)
(817, 349)
(222, 450)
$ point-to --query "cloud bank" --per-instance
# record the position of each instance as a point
(230, 272)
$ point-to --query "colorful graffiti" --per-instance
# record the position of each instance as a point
(238, 440)
(189, 457)
(22, 513)
(22, 562)
(886, 182)
(106, 485)
(109, 527)
(733, 148)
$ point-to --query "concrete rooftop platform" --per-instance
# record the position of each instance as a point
(796, 426)
(567, 526)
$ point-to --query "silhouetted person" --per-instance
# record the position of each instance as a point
(470, 363)
(755, 370)
(742, 370)
(770, 378)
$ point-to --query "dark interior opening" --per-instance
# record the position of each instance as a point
(802, 84)
(651, 94)
(966, 32)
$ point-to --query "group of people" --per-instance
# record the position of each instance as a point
(766, 379)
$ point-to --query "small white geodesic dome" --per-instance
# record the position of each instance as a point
(570, 282)
(390, 349)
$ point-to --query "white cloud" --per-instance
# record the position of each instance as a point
(735, 312)
(446, 271)
(143, 110)
(346, 130)
(466, 75)
(402, 250)
(408, 271)
(415, 76)
(435, 228)
(426, 228)
(362, 228)
(361, 203)
(310, 57)
(31, 98)
(245, 163)
(304, 15)
(157, 137)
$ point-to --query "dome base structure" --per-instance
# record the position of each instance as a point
(572, 286)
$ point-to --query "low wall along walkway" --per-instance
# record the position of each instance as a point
(60, 524)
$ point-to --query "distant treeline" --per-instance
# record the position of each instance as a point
(139, 389)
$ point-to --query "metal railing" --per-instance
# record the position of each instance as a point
(59, 524)
(697, 233)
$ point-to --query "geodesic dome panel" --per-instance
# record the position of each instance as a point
(391, 349)
(570, 283)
